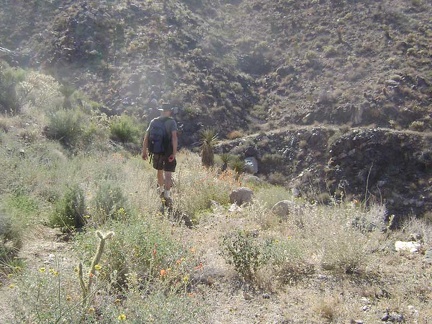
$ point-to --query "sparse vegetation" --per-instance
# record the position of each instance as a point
(310, 90)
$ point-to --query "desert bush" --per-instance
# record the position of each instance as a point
(10, 241)
(160, 307)
(124, 129)
(9, 80)
(70, 210)
(235, 134)
(417, 125)
(196, 187)
(248, 254)
(276, 178)
(66, 126)
(40, 91)
(338, 244)
(289, 262)
(417, 228)
(109, 203)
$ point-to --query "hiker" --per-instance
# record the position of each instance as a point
(160, 143)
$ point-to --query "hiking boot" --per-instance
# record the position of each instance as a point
(168, 202)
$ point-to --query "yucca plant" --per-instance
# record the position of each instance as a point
(238, 166)
(208, 138)
(225, 159)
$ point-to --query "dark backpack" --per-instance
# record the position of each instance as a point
(159, 139)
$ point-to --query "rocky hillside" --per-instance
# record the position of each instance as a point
(352, 78)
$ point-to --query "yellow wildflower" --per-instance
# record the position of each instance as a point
(98, 267)
(122, 317)
(42, 269)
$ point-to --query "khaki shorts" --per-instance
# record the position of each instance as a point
(160, 162)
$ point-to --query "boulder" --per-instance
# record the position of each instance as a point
(241, 196)
(412, 247)
(283, 208)
(251, 165)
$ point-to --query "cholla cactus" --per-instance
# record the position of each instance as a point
(86, 287)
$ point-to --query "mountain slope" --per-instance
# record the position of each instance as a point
(246, 67)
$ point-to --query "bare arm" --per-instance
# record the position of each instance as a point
(145, 146)
(174, 143)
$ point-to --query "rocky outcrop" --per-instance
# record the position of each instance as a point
(375, 165)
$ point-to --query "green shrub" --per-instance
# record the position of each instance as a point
(243, 250)
(69, 212)
(9, 79)
(124, 129)
(66, 126)
(109, 203)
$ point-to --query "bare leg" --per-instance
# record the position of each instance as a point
(160, 178)
(168, 180)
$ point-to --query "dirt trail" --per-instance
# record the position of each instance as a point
(41, 245)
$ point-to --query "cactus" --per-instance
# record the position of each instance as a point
(86, 287)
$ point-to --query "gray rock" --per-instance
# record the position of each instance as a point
(234, 208)
(251, 165)
(241, 196)
(428, 257)
(283, 208)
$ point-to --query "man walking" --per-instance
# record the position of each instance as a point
(160, 143)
